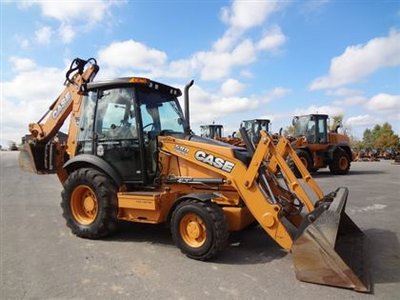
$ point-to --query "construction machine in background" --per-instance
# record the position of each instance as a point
(131, 155)
(215, 132)
(253, 129)
(318, 147)
(212, 131)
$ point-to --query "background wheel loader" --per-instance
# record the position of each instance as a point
(130, 155)
(212, 131)
(318, 147)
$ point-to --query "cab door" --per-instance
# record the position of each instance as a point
(116, 134)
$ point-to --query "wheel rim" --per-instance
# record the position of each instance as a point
(343, 163)
(193, 230)
(84, 205)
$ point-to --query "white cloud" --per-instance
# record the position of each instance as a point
(277, 116)
(272, 39)
(229, 52)
(348, 97)
(26, 97)
(232, 87)
(66, 33)
(343, 92)
(241, 16)
(67, 11)
(278, 92)
(325, 109)
(206, 107)
(43, 35)
(248, 14)
(72, 15)
(133, 55)
(21, 64)
(384, 103)
(359, 61)
(210, 65)
(360, 121)
(217, 65)
(351, 101)
(226, 42)
(22, 42)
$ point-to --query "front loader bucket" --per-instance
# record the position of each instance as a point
(330, 249)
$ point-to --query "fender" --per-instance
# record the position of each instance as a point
(89, 160)
(344, 147)
(347, 149)
(308, 151)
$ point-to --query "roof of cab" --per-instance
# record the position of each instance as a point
(163, 88)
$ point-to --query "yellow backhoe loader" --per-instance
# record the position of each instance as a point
(130, 155)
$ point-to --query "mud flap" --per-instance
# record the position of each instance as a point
(330, 249)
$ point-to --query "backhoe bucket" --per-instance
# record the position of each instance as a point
(330, 249)
(36, 158)
(26, 159)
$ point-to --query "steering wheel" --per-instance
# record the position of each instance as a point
(150, 124)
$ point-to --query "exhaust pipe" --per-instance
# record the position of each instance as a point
(186, 99)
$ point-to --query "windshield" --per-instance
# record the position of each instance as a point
(302, 125)
(160, 112)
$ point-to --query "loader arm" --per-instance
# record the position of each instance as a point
(263, 196)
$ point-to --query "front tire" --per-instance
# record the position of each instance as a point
(340, 164)
(89, 203)
(199, 229)
(305, 159)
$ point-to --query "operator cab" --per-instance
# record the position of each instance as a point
(254, 127)
(212, 131)
(121, 120)
(314, 127)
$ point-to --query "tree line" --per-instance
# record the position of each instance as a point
(380, 137)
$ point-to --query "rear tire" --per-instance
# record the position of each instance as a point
(89, 203)
(199, 229)
(305, 159)
(340, 164)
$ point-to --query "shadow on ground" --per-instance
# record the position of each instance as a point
(249, 246)
(322, 174)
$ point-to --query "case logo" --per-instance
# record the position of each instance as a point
(214, 161)
(62, 105)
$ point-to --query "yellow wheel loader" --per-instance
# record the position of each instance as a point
(319, 147)
(130, 155)
(212, 131)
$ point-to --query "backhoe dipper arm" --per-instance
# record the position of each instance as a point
(69, 101)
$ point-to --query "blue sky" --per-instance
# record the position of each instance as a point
(249, 59)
